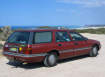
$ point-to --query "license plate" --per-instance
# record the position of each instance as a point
(13, 49)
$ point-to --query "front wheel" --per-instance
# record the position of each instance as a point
(93, 52)
(50, 60)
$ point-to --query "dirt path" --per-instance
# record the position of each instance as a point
(75, 67)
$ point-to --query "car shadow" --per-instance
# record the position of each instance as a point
(26, 66)
(72, 59)
(39, 65)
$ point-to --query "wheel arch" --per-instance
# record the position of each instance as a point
(54, 51)
(96, 46)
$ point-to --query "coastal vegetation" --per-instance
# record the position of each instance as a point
(92, 31)
(5, 32)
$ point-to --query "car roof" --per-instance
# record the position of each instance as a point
(35, 30)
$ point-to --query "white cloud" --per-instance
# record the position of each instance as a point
(85, 3)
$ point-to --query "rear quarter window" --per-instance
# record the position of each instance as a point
(42, 37)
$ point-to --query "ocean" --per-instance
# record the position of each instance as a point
(34, 27)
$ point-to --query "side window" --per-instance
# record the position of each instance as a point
(76, 37)
(62, 37)
(42, 37)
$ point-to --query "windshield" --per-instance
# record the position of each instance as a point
(19, 37)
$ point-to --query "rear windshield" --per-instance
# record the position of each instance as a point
(19, 37)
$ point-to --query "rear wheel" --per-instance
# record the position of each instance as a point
(94, 52)
(50, 60)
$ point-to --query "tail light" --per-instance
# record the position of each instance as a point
(28, 50)
(25, 49)
(5, 46)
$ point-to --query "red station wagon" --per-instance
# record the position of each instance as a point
(48, 46)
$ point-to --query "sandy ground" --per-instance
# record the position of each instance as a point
(2, 42)
(74, 67)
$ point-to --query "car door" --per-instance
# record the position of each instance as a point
(64, 44)
(80, 44)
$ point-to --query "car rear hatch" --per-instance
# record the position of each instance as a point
(17, 43)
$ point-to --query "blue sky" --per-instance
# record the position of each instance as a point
(52, 12)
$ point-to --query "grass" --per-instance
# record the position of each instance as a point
(92, 31)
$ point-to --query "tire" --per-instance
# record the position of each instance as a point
(93, 52)
(50, 60)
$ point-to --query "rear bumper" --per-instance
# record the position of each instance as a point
(25, 58)
(24, 55)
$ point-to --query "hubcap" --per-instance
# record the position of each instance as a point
(95, 50)
(52, 59)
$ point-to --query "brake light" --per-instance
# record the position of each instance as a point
(28, 50)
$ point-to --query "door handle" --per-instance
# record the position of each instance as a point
(75, 43)
(59, 44)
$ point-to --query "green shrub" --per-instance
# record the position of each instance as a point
(5, 32)
(1, 46)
